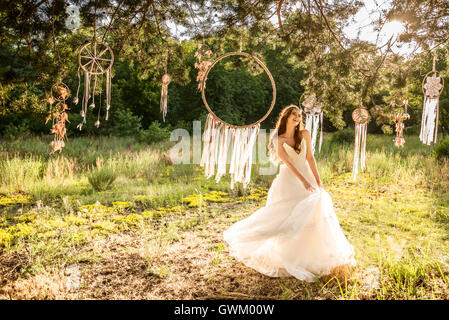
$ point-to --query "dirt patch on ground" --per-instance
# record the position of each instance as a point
(40, 287)
(188, 269)
(194, 263)
(13, 285)
(11, 265)
(123, 276)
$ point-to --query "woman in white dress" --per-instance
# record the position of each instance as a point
(297, 232)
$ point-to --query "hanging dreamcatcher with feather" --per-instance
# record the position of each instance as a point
(202, 55)
(58, 115)
(95, 59)
(166, 79)
(220, 137)
(314, 119)
(361, 117)
(432, 86)
(60, 92)
(399, 118)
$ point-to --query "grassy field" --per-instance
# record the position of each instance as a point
(156, 232)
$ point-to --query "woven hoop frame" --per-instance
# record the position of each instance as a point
(55, 88)
(84, 53)
(424, 80)
(360, 115)
(402, 99)
(203, 83)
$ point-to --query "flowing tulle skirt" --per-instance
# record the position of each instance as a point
(295, 234)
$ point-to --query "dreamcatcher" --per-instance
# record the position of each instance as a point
(361, 118)
(73, 17)
(166, 78)
(399, 141)
(202, 54)
(219, 136)
(59, 94)
(314, 119)
(95, 59)
(432, 87)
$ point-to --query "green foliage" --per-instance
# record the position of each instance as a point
(309, 45)
(154, 133)
(185, 125)
(412, 130)
(21, 130)
(345, 136)
(18, 174)
(442, 149)
(125, 123)
(387, 129)
(102, 179)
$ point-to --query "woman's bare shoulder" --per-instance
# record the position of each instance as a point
(305, 133)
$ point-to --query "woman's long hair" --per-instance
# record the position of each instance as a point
(281, 127)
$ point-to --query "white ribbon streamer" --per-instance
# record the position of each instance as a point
(218, 138)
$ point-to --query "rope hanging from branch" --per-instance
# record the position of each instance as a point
(361, 118)
(432, 86)
(220, 137)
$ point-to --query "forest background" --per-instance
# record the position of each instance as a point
(307, 52)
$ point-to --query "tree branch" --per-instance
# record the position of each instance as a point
(112, 19)
(318, 3)
(157, 22)
(278, 11)
(29, 13)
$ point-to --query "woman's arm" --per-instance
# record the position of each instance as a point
(310, 158)
(284, 157)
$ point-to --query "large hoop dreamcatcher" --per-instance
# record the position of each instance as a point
(219, 135)
(95, 59)
(361, 118)
(314, 119)
(432, 87)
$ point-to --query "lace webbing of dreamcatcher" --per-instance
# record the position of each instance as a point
(217, 139)
(321, 133)
(108, 93)
(86, 94)
(429, 121)
(312, 125)
(242, 166)
(359, 148)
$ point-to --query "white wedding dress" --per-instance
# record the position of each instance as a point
(297, 232)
